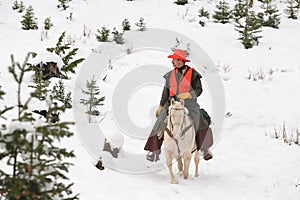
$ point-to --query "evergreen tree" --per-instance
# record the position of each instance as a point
(118, 37)
(58, 93)
(63, 4)
(38, 169)
(223, 12)
(93, 101)
(47, 23)
(249, 28)
(103, 34)
(203, 13)
(141, 24)
(270, 17)
(29, 21)
(240, 9)
(16, 5)
(67, 55)
(181, 2)
(126, 25)
(21, 7)
(291, 10)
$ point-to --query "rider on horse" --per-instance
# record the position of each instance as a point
(182, 83)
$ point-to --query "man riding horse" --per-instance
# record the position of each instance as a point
(182, 83)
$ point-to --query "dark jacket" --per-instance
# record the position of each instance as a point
(196, 87)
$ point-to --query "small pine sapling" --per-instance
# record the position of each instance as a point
(223, 12)
(63, 4)
(117, 36)
(203, 13)
(270, 16)
(29, 20)
(93, 101)
(103, 34)
(47, 23)
(67, 55)
(240, 9)
(21, 7)
(126, 25)
(291, 10)
(16, 5)
(249, 29)
(58, 93)
(141, 24)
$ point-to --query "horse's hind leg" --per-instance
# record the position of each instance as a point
(186, 160)
(196, 159)
(179, 164)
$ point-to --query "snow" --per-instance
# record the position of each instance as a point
(44, 57)
(248, 162)
(17, 125)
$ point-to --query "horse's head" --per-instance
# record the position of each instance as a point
(177, 112)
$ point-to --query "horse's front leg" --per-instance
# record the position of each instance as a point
(197, 159)
(169, 163)
(187, 156)
(179, 164)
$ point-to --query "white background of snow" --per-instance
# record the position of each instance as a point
(246, 164)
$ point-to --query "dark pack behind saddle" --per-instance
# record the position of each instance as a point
(204, 120)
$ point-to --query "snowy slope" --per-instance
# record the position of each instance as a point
(248, 163)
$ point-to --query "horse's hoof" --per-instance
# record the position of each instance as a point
(174, 181)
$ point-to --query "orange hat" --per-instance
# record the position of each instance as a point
(179, 54)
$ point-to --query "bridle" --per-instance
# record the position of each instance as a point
(183, 131)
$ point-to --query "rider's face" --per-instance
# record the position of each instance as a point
(177, 63)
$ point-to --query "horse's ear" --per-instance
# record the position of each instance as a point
(182, 102)
(173, 101)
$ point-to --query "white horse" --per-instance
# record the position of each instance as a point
(179, 140)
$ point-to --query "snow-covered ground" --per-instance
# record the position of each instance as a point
(248, 163)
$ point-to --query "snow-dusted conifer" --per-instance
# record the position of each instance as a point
(270, 16)
(249, 28)
(93, 101)
(21, 7)
(37, 165)
(103, 34)
(240, 9)
(223, 12)
(118, 37)
(58, 93)
(16, 5)
(47, 23)
(67, 55)
(203, 13)
(29, 20)
(126, 25)
(141, 24)
(63, 4)
(292, 10)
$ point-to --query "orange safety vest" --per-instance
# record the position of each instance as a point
(184, 82)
